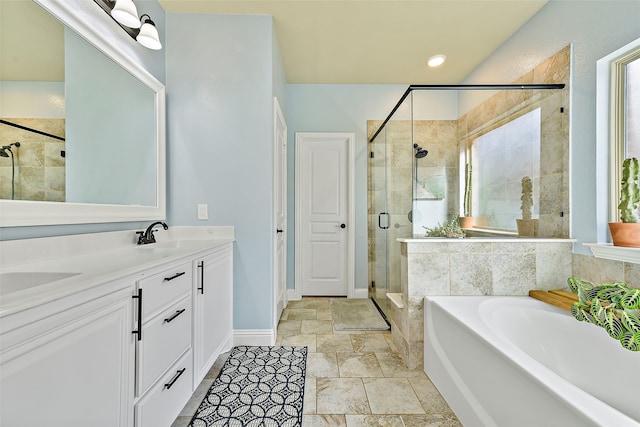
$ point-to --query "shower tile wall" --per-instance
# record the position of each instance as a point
(436, 137)
(40, 169)
(554, 136)
(439, 137)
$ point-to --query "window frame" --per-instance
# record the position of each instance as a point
(617, 116)
(609, 153)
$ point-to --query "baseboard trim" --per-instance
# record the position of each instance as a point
(293, 295)
(360, 293)
(254, 337)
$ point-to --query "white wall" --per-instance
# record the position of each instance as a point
(220, 86)
(594, 28)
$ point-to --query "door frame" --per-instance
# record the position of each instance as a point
(278, 118)
(301, 138)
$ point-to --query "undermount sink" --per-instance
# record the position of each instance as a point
(18, 281)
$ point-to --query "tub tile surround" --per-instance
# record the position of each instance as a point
(599, 270)
(470, 267)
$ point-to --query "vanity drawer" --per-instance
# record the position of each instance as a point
(164, 288)
(163, 403)
(164, 338)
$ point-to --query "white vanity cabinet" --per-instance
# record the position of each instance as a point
(163, 336)
(70, 362)
(123, 342)
(213, 308)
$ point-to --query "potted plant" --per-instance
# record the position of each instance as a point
(466, 221)
(614, 306)
(527, 226)
(627, 231)
(450, 228)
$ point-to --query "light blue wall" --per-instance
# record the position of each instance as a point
(220, 88)
(594, 28)
(152, 61)
(337, 108)
(115, 134)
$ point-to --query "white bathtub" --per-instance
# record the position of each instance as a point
(516, 361)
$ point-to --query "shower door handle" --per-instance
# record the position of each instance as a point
(380, 220)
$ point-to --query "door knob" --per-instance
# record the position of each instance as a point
(279, 231)
(343, 225)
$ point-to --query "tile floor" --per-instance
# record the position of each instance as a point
(354, 379)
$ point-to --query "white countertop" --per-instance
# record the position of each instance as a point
(93, 260)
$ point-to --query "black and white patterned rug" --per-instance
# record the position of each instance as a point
(257, 386)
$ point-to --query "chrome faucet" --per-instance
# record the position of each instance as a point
(146, 237)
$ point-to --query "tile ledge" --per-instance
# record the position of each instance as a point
(615, 253)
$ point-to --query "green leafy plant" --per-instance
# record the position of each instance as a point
(467, 190)
(450, 228)
(629, 191)
(613, 306)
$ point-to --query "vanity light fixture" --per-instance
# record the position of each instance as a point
(148, 35)
(436, 60)
(125, 13)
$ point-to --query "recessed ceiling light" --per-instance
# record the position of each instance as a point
(436, 60)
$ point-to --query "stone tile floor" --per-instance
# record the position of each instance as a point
(354, 378)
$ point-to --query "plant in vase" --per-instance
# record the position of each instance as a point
(527, 226)
(450, 228)
(614, 306)
(466, 221)
(627, 231)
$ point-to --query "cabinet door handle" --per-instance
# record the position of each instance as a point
(174, 379)
(176, 314)
(138, 332)
(201, 267)
(175, 276)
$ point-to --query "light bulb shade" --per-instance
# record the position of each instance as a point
(148, 36)
(125, 13)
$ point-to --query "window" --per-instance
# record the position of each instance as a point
(617, 134)
(500, 159)
(624, 118)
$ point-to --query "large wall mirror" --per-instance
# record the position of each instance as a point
(82, 130)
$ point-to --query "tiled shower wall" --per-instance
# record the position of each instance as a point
(553, 183)
(396, 184)
(39, 165)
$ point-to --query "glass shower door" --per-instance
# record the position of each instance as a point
(390, 203)
(378, 221)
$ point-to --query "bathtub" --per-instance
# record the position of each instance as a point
(516, 361)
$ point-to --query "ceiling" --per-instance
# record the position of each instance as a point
(379, 41)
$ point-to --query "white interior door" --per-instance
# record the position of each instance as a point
(280, 210)
(324, 261)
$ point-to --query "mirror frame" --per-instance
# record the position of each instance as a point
(16, 213)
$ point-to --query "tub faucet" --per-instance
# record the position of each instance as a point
(146, 237)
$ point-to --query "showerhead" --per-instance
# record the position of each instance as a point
(420, 153)
(6, 150)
